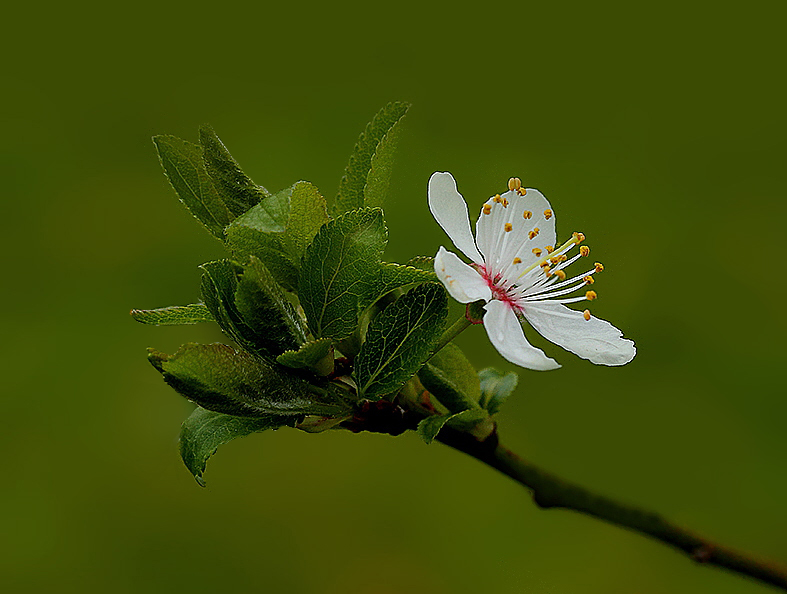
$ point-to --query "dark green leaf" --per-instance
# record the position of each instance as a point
(252, 309)
(221, 379)
(237, 191)
(452, 379)
(342, 264)
(316, 355)
(495, 388)
(400, 339)
(279, 229)
(175, 315)
(204, 431)
(183, 164)
(392, 276)
(368, 171)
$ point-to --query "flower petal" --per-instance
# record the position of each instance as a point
(462, 281)
(505, 333)
(595, 339)
(450, 210)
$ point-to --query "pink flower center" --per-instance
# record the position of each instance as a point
(500, 288)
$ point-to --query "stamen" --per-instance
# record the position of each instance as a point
(586, 314)
(536, 251)
(517, 260)
(549, 249)
(505, 202)
(508, 227)
(487, 209)
(527, 214)
(547, 214)
(514, 183)
(497, 198)
(544, 264)
(533, 233)
(590, 295)
(589, 280)
(584, 250)
(599, 266)
(578, 237)
(522, 191)
(560, 274)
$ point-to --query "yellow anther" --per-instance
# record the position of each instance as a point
(533, 233)
(578, 237)
(514, 183)
(537, 252)
(544, 265)
(527, 214)
(584, 250)
(487, 208)
(560, 274)
(554, 260)
(589, 280)
(497, 198)
(508, 227)
(599, 266)
(590, 295)
(522, 191)
(549, 249)
(517, 260)
(548, 272)
(547, 214)
(505, 202)
(586, 314)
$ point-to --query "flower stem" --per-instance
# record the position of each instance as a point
(461, 324)
(550, 491)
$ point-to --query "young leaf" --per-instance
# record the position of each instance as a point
(340, 269)
(175, 315)
(400, 339)
(252, 311)
(465, 420)
(452, 379)
(279, 229)
(368, 171)
(495, 388)
(185, 169)
(316, 355)
(237, 191)
(422, 263)
(221, 379)
(204, 431)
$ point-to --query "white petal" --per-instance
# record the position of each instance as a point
(595, 339)
(462, 281)
(505, 333)
(450, 210)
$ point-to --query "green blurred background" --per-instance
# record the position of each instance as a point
(656, 129)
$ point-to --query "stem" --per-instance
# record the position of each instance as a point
(550, 491)
(462, 323)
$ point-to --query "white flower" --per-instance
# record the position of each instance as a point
(519, 272)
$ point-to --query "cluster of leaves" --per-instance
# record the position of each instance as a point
(321, 324)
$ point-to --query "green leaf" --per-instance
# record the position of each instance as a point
(237, 191)
(342, 264)
(495, 388)
(185, 169)
(392, 276)
(368, 171)
(279, 229)
(316, 355)
(422, 263)
(465, 420)
(221, 379)
(175, 315)
(204, 431)
(251, 310)
(400, 340)
(452, 379)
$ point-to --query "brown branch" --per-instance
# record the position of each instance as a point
(550, 491)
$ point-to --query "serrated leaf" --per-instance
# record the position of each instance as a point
(453, 363)
(422, 263)
(465, 420)
(279, 229)
(443, 387)
(495, 388)
(317, 355)
(235, 188)
(342, 264)
(222, 379)
(176, 315)
(250, 307)
(185, 169)
(204, 431)
(400, 340)
(392, 276)
(368, 171)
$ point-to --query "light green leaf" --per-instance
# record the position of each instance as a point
(422, 263)
(279, 229)
(185, 169)
(392, 276)
(342, 264)
(495, 388)
(204, 431)
(400, 340)
(443, 387)
(237, 191)
(221, 379)
(368, 171)
(465, 420)
(176, 315)
(316, 355)
(453, 363)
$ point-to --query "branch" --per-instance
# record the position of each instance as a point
(551, 491)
